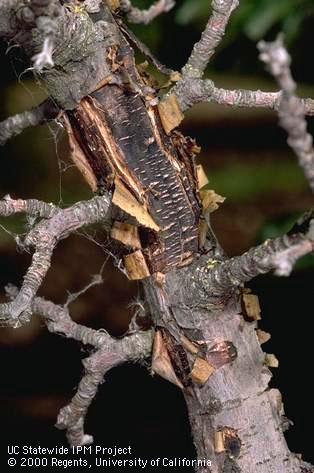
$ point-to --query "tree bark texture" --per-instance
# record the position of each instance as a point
(207, 344)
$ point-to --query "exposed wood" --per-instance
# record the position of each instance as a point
(126, 234)
(262, 336)
(134, 156)
(104, 82)
(201, 371)
(170, 113)
(113, 4)
(136, 266)
(189, 346)
(161, 363)
(271, 360)
(201, 176)
(250, 306)
(210, 200)
(124, 199)
(160, 279)
(78, 156)
(219, 442)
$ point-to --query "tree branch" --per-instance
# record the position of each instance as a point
(211, 37)
(58, 224)
(191, 91)
(32, 207)
(291, 110)
(13, 126)
(135, 15)
(109, 353)
(113, 352)
(279, 254)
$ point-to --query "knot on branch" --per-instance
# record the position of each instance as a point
(191, 89)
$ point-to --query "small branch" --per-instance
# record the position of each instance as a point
(291, 110)
(110, 353)
(114, 352)
(32, 207)
(211, 37)
(279, 254)
(135, 15)
(96, 280)
(13, 126)
(190, 91)
(44, 237)
(137, 43)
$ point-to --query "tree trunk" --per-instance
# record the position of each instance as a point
(236, 420)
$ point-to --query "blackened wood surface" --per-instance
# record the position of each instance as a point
(122, 137)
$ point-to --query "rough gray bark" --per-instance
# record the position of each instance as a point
(145, 174)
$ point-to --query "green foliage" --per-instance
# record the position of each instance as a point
(254, 18)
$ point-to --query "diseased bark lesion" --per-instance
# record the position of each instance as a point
(124, 141)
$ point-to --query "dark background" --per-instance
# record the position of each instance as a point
(246, 159)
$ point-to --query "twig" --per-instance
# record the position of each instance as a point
(96, 280)
(33, 207)
(279, 254)
(291, 110)
(110, 353)
(211, 37)
(135, 15)
(44, 237)
(114, 352)
(137, 43)
(192, 91)
(13, 126)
